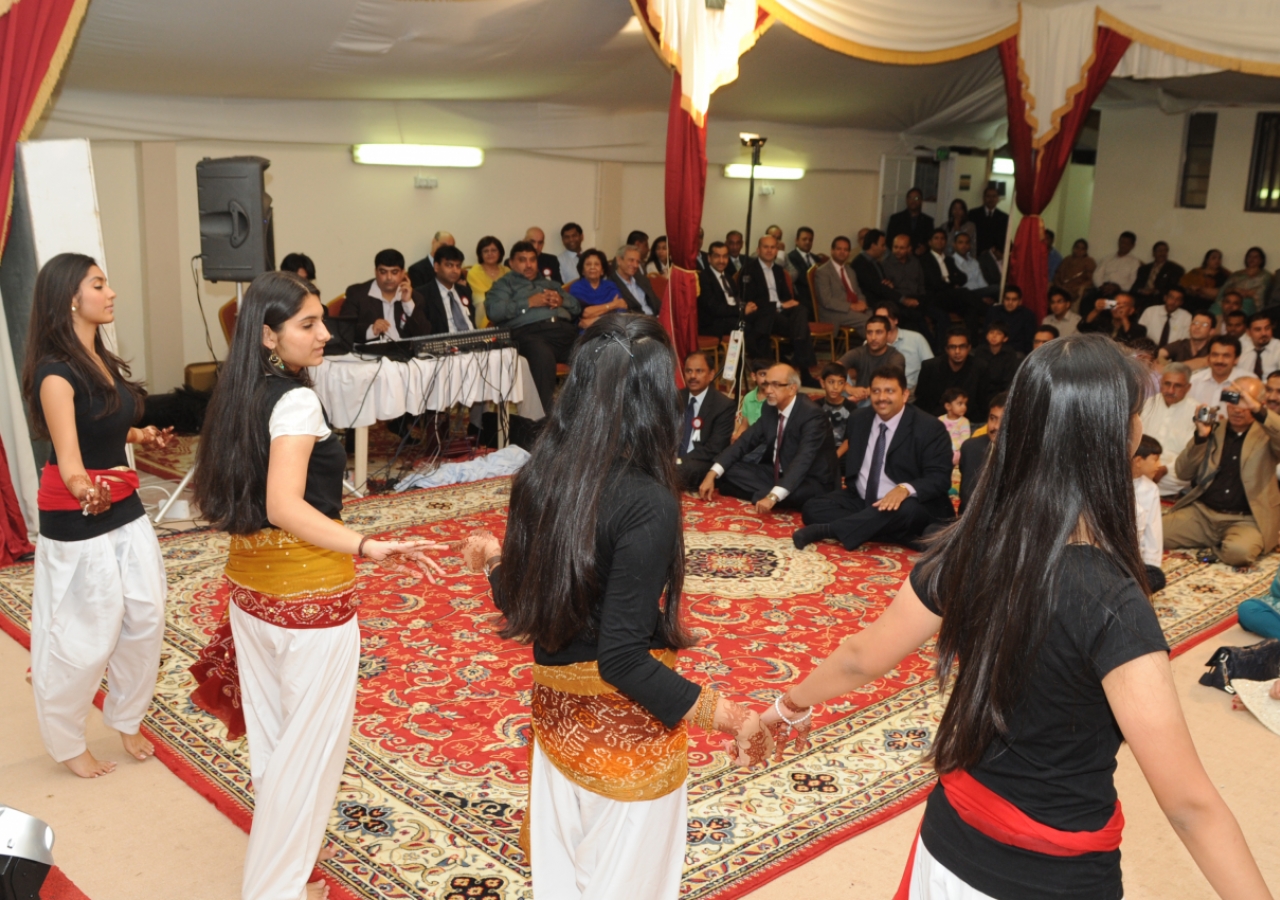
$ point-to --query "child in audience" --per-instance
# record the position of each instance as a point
(1146, 460)
(835, 381)
(956, 403)
(754, 399)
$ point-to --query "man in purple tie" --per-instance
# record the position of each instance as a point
(897, 473)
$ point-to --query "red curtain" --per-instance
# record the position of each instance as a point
(1038, 171)
(686, 180)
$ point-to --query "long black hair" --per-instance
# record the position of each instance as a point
(618, 407)
(1061, 461)
(51, 336)
(230, 483)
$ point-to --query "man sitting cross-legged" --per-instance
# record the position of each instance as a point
(799, 459)
(897, 473)
(707, 427)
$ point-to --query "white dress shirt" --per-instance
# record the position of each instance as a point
(1150, 525)
(864, 473)
(1121, 270)
(1207, 391)
(783, 415)
(808, 260)
(388, 313)
(942, 264)
(695, 434)
(771, 285)
(450, 296)
(974, 280)
(915, 350)
(638, 292)
(1153, 319)
(1173, 426)
(569, 266)
(1270, 357)
(1067, 325)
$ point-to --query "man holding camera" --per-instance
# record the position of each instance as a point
(1208, 384)
(1233, 506)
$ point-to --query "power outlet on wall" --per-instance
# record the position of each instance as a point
(422, 181)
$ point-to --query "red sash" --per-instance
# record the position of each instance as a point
(985, 811)
(54, 495)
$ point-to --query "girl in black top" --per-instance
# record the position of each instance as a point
(1052, 651)
(98, 599)
(283, 666)
(591, 575)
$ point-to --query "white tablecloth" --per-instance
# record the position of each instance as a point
(358, 392)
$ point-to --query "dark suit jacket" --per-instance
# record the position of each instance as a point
(991, 229)
(716, 316)
(808, 447)
(642, 280)
(1105, 325)
(990, 266)
(802, 284)
(870, 277)
(421, 272)
(548, 262)
(918, 229)
(369, 310)
(1170, 276)
(437, 313)
(753, 287)
(936, 377)
(973, 459)
(702, 260)
(933, 282)
(918, 455)
(717, 414)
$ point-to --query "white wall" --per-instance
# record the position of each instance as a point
(1136, 189)
(341, 214)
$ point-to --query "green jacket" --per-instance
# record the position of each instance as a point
(507, 302)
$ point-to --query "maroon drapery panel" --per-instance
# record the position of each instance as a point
(1038, 171)
(686, 181)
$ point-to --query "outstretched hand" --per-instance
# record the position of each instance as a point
(795, 732)
(397, 556)
(477, 549)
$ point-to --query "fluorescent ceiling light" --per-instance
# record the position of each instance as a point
(1002, 165)
(427, 155)
(777, 173)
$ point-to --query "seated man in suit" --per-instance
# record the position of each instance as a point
(386, 306)
(633, 285)
(718, 308)
(447, 300)
(799, 459)
(733, 241)
(897, 473)
(802, 259)
(974, 451)
(835, 281)
(539, 313)
(707, 428)
(764, 283)
(421, 272)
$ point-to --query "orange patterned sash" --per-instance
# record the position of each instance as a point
(602, 740)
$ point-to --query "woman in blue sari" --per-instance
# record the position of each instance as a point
(595, 290)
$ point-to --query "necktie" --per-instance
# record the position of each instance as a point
(849, 292)
(687, 431)
(877, 466)
(728, 290)
(777, 450)
(455, 311)
(1164, 332)
(1257, 361)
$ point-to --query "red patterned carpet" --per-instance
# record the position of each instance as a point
(435, 782)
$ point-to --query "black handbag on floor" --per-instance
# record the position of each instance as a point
(1256, 662)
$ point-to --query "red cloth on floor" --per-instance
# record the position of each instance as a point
(13, 527)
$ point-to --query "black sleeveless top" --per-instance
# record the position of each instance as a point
(328, 461)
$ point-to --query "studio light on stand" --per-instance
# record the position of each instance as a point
(756, 143)
(26, 855)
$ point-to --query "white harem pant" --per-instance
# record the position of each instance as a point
(96, 604)
(298, 687)
(587, 847)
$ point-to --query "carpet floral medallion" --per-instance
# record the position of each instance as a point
(434, 787)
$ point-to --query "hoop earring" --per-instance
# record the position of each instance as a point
(275, 360)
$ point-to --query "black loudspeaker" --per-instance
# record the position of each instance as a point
(237, 239)
(21, 879)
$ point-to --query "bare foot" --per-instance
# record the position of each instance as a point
(317, 890)
(86, 766)
(327, 852)
(137, 746)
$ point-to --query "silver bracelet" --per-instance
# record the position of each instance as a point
(777, 707)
